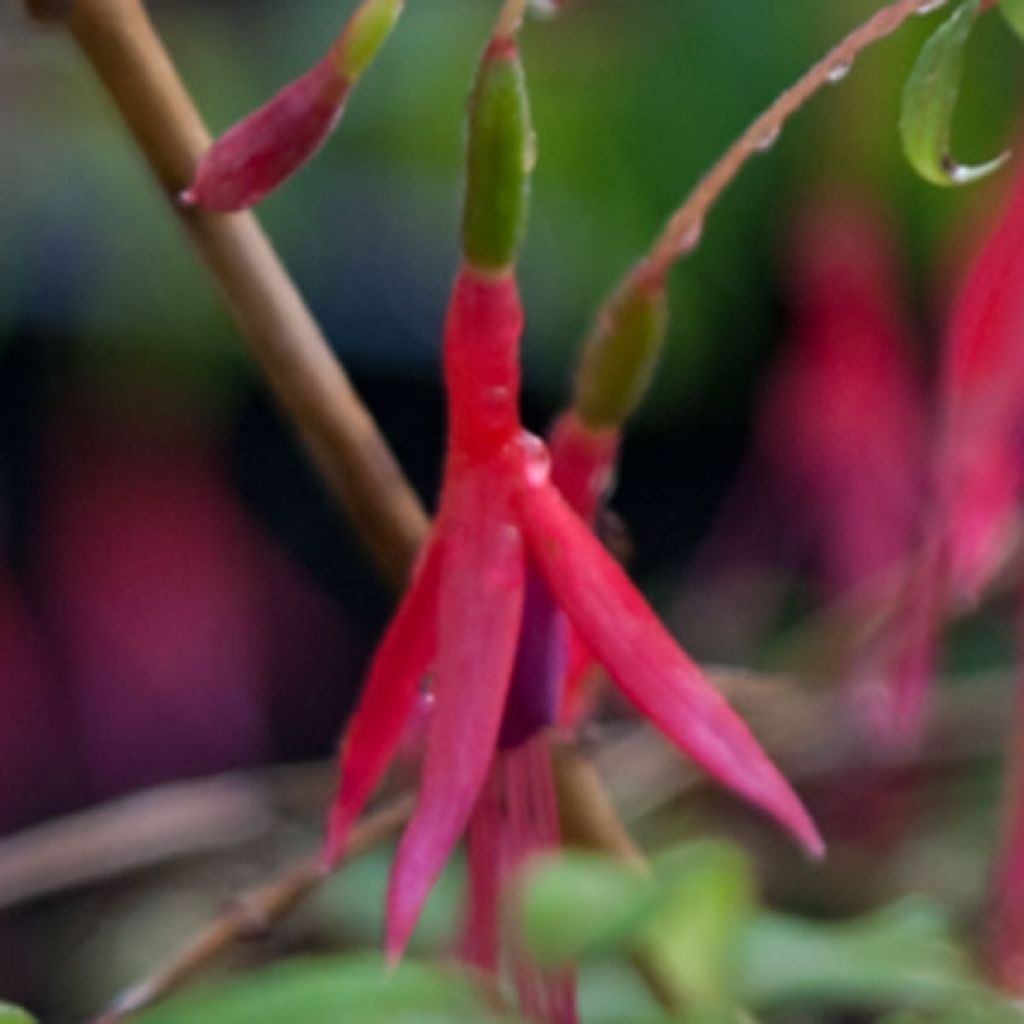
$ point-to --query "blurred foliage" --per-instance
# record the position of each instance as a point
(696, 925)
(330, 991)
(12, 1015)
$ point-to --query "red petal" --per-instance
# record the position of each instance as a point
(480, 612)
(257, 154)
(650, 669)
(388, 698)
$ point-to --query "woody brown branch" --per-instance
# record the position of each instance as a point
(120, 43)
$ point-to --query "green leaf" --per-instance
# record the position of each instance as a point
(901, 956)
(12, 1015)
(685, 922)
(929, 102)
(332, 991)
(1013, 12)
(692, 938)
(583, 905)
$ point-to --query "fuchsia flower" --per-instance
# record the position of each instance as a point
(976, 472)
(257, 154)
(501, 522)
(842, 425)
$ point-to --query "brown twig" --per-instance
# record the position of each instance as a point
(682, 232)
(120, 43)
(253, 913)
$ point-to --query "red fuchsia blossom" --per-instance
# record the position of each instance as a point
(500, 519)
(255, 156)
(976, 473)
(841, 426)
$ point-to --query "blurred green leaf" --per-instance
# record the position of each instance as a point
(1013, 12)
(685, 922)
(692, 937)
(12, 1015)
(582, 905)
(333, 992)
(929, 102)
(902, 955)
(982, 1009)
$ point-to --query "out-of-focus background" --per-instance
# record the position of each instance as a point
(177, 596)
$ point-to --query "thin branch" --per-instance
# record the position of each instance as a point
(683, 230)
(253, 913)
(120, 43)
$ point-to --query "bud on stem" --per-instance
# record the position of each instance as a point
(499, 159)
(364, 35)
(618, 358)
(260, 152)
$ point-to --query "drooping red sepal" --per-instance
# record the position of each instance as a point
(983, 406)
(258, 153)
(388, 698)
(480, 611)
(646, 663)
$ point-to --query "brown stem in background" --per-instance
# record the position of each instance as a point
(120, 43)
(251, 914)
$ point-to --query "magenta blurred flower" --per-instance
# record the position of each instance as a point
(841, 425)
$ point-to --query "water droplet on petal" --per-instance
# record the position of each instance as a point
(927, 6)
(536, 461)
(839, 71)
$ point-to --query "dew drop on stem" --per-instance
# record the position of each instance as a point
(838, 71)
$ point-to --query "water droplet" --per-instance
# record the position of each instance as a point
(690, 238)
(530, 153)
(766, 139)
(839, 71)
(927, 6)
(536, 461)
(544, 8)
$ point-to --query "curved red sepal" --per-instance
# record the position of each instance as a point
(388, 698)
(256, 155)
(646, 663)
(480, 611)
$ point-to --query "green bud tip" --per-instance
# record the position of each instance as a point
(619, 357)
(499, 159)
(365, 33)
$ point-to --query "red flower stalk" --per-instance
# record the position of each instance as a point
(501, 518)
(255, 156)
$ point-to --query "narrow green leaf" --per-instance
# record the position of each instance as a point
(330, 991)
(929, 102)
(1013, 12)
(12, 1015)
